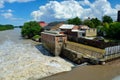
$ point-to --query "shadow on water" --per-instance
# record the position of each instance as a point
(47, 53)
(43, 50)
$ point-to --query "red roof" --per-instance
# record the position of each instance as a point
(42, 24)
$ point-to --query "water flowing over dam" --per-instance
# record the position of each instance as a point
(22, 60)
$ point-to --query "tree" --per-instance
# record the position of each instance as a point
(96, 22)
(103, 30)
(31, 29)
(107, 19)
(114, 30)
(75, 21)
(6, 27)
(89, 23)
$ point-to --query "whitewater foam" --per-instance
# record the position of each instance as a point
(24, 61)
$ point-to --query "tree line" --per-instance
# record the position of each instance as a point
(92, 23)
(6, 27)
(106, 28)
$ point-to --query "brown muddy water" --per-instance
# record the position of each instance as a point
(22, 59)
(91, 72)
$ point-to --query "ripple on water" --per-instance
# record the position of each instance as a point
(22, 61)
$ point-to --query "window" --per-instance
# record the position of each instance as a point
(60, 39)
(83, 34)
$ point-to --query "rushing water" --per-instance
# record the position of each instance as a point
(24, 59)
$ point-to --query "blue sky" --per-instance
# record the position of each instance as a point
(17, 12)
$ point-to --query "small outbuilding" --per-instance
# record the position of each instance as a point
(53, 41)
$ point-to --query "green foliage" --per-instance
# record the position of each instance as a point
(75, 21)
(96, 22)
(107, 19)
(111, 30)
(106, 25)
(6, 27)
(31, 29)
(89, 23)
(93, 23)
(36, 37)
(114, 30)
(103, 30)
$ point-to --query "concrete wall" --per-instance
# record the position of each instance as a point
(48, 42)
(85, 50)
(59, 42)
(91, 32)
(72, 55)
(112, 52)
(77, 52)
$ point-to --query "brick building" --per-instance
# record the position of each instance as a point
(53, 41)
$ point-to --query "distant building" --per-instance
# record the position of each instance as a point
(42, 24)
(118, 16)
(53, 25)
(78, 31)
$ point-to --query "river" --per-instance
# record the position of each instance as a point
(22, 59)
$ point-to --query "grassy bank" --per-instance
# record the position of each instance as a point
(76, 46)
(6, 27)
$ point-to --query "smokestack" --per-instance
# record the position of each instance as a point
(118, 16)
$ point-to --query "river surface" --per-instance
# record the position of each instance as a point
(22, 59)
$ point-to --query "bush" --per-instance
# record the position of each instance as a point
(36, 37)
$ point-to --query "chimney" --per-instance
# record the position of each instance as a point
(118, 16)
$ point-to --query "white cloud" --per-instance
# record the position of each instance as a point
(55, 10)
(36, 14)
(85, 2)
(11, 1)
(100, 8)
(58, 10)
(9, 16)
(1, 3)
(9, 10)
(117, 6)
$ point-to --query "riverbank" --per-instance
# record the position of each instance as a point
(6, 27)
(109, 71)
